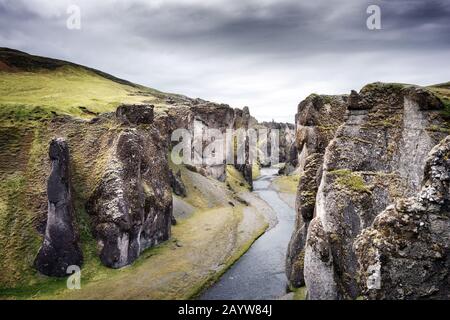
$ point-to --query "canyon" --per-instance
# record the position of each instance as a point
(87, 179)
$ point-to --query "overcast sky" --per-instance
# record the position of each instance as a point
(264, 54)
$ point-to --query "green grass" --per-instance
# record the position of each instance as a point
(67, 90)
(442, 91)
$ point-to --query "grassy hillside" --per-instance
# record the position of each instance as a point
(34, 87)
(443, 92)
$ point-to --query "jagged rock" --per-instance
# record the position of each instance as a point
(135, 114)
(131, 208)
(305, 202)
(203, 115)
(318, 118)
(405, 254)
(60, 248)
(286, 143)
(177, 184)
(376, 157)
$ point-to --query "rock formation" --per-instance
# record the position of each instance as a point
(177, 184)
(286, 144)
(60, 248)
(405, 254)
(375, 157)
(198, 116)
(317, 120)
(131, 208)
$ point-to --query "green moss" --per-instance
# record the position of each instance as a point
(235, 180)
(435, 128)
(299, 293)
(442, 91)
(350, 180)
(256, 171)
(384, 86)
(287, 184)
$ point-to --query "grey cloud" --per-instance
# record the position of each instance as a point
(266, 54)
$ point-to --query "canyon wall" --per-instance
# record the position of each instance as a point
(377, 155)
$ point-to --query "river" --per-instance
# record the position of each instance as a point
(260, 273)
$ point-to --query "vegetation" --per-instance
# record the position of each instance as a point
(235, 180)
(256, 171)
(443, 92)
(350, 180)
(287, 184)
(67, 90)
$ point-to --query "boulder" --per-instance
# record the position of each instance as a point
(131, 208)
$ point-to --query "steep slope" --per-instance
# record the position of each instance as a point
(35, 87)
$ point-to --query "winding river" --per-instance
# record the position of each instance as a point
(259, 273)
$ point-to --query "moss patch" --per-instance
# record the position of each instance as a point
(350, 181)
(287, 184)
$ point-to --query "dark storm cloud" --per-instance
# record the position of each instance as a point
(267, 54)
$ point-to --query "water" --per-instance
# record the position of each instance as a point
(260, 272)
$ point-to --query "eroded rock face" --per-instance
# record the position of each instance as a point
(131, 208)
(286, 144)
(318, 118)
(198, 117)
(60, 248)
(405, 254)
(376, 156)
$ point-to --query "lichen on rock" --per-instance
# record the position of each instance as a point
(405, 254)
(131, 208)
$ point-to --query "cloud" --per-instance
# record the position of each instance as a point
(266, 54)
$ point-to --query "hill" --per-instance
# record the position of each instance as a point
(34, 87)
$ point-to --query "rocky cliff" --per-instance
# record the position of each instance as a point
(405, 254)
(377, 155)
(317, 120)
(107, 192)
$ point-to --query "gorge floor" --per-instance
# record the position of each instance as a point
(260, 272)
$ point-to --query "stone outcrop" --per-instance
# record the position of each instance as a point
(285, 143)
(60, 248)
(373, 154)
(376, 156)
(131, 209)
(405, 254)
(317, 120)
(198, 116)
